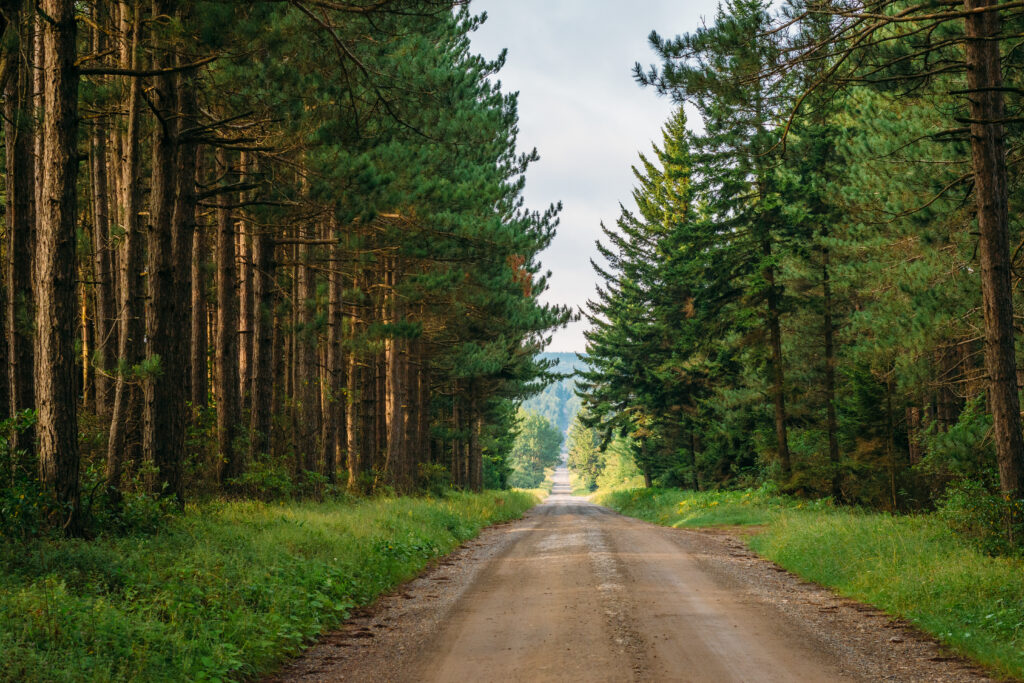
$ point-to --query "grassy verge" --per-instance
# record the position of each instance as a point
(913, 567)
(226, 592)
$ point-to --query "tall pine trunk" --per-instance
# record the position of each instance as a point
(988, 157)
(778, 377)
(164, 402)
(333, 434)
(104, 312)
(124, 443)
(55, 271)
(263, 386)
(307, 379)
(199, 343)
(831, 424)
(21, 232)
(229, 413)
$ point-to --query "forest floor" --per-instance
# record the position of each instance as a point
(575, 591)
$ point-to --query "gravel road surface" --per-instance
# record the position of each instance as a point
(576, 592)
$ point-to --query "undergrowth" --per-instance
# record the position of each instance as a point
(914, 566)
(226, 591)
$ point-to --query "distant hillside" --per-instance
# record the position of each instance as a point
(558, 402)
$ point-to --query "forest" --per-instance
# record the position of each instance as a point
(557, 401)
(819, 286)
(257, 250)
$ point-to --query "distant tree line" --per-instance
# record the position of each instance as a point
(818, 287)
(558, 401)
(258, 244)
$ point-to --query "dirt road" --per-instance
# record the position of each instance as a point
(575, 592)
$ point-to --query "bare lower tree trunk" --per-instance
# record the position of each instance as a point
(458, 480)
(228, 401)
(166, 332)
(308, 374)
(988, 157)
(831, 423)
(263, 353)
(21, 234)
(353, 424)
(55, 267)
(778, 377)
(124, 443)
(183, 231)
(102, 268)
(353, 398)
(334, 370)
(199, 384)
(246, 297)
(397, 398)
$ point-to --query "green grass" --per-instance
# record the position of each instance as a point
(228, 591)
(678, 508)
(913, 567)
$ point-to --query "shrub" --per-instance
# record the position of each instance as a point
(991, 522)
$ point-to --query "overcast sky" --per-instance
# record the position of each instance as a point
(571, 62)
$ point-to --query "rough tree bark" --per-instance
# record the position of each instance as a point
(396, 387)
(123, 443)
(307, 379)
(246, 294)
(831, 423)
(56, 306)
(105, 313)
(778, 376)
(163, 403)
(21, 232)
(199, 341)
(333, 434)
(226, 386)
(988, 157)
(265, 293)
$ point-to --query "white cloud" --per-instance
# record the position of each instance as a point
(571, 61)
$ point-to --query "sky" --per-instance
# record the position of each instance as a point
(571, 62)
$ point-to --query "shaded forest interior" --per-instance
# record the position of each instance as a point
(260, 249)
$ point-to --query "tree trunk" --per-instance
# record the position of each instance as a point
(21, 236)
(308, 373)
(199, 342)
(778, 372)
(104, 312)
(123, 443)
(334, 369)
(988, 157)
(55, 267)
(262, 391)
(354, 386)
(226, 389)
(831, 423)
(458, 480)
(246, 296)
(159, 440)
(183, 230)
(396, 388)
